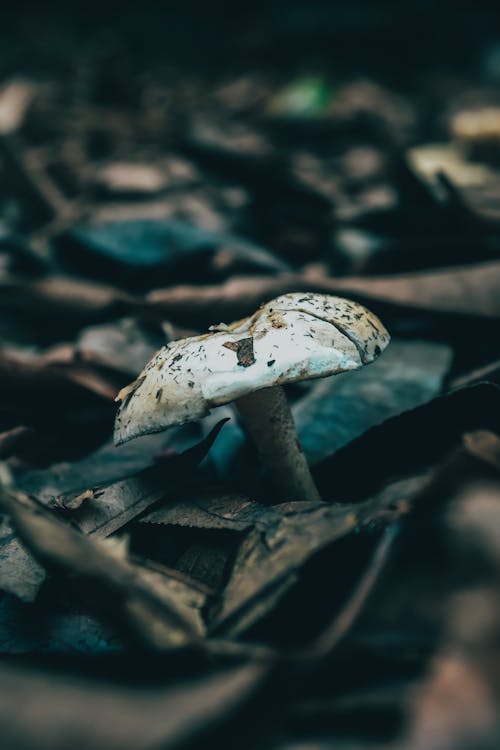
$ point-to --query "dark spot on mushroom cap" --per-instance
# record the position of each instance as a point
(244, 351)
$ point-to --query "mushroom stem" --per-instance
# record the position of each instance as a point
(268, 420)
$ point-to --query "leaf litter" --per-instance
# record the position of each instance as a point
(156, 594)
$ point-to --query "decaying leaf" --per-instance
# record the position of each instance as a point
(104, 466)
(138, 252)
(228, 512)
(430, 160)
(456, 607)
(146, 606)
(123, 501)
(469, 291)
(270, 558)
(121, 345)
(102, 514)
(19, 573)
(64, 299)
(61, 710)
(389, 449)
(32, 629)
(338, 411)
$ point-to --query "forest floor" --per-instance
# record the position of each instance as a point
(163, 594)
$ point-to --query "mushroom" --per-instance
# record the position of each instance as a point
(294, 337)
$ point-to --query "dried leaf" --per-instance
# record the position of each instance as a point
(15, 98)
(62, 710)
(63, 300)
(125, 591)
(122, 345)
(468, 291)
(338, 410)
(271, 556)
(114, 506)
(30, 391)
(33, 629)
(456, 515)
(229, 512)
(138, 253)
(123, 501)
(19, 573)
(102, 467)
(433, 159)
(390, 450)
(130, 179)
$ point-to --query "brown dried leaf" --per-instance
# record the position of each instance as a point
(229, 512)
(32, 378)
(123, 501)
(104, 513)
(61, 710)
(20, 574)
(456, 706)
(120, 345)
(470, 290)
(57, 298)
(15, 99)
(130, 596)
(270, 558)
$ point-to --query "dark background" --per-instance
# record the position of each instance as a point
(398, 40)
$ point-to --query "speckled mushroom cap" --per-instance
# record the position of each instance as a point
(294, 337)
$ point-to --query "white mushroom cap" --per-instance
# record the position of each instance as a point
(294, 337)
